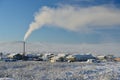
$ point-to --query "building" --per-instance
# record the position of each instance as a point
(83, 57)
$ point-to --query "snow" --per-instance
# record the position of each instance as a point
(36, 70)
(6, 79)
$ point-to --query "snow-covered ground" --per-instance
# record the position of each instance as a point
(31, 70)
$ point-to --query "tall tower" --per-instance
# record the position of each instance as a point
(23, 48)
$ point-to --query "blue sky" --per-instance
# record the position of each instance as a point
(16, 15)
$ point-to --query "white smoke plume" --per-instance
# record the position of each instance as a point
(75, 18)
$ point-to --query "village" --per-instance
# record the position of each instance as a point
(56, 57)
(61, 57)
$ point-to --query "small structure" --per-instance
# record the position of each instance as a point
(117, 59)
(93, 61)
(84, 57)
(54, 59)
(70, 58)
(1, 54)
(11, 55)
(79, 57)
(58, 58)
(47, 56)
(109, 57)
(101, 57)
(34, 57)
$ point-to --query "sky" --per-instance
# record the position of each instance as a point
(60, 21)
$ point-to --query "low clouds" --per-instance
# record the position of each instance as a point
(71, 18)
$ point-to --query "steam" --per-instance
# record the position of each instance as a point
(75, 18)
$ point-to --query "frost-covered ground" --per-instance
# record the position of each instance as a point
(31, 70)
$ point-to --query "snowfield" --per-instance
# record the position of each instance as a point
(35, 70)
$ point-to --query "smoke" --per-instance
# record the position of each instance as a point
(75, 18)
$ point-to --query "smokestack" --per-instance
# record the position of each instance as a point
(23, 48)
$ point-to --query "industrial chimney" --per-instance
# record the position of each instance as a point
(23, 48)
